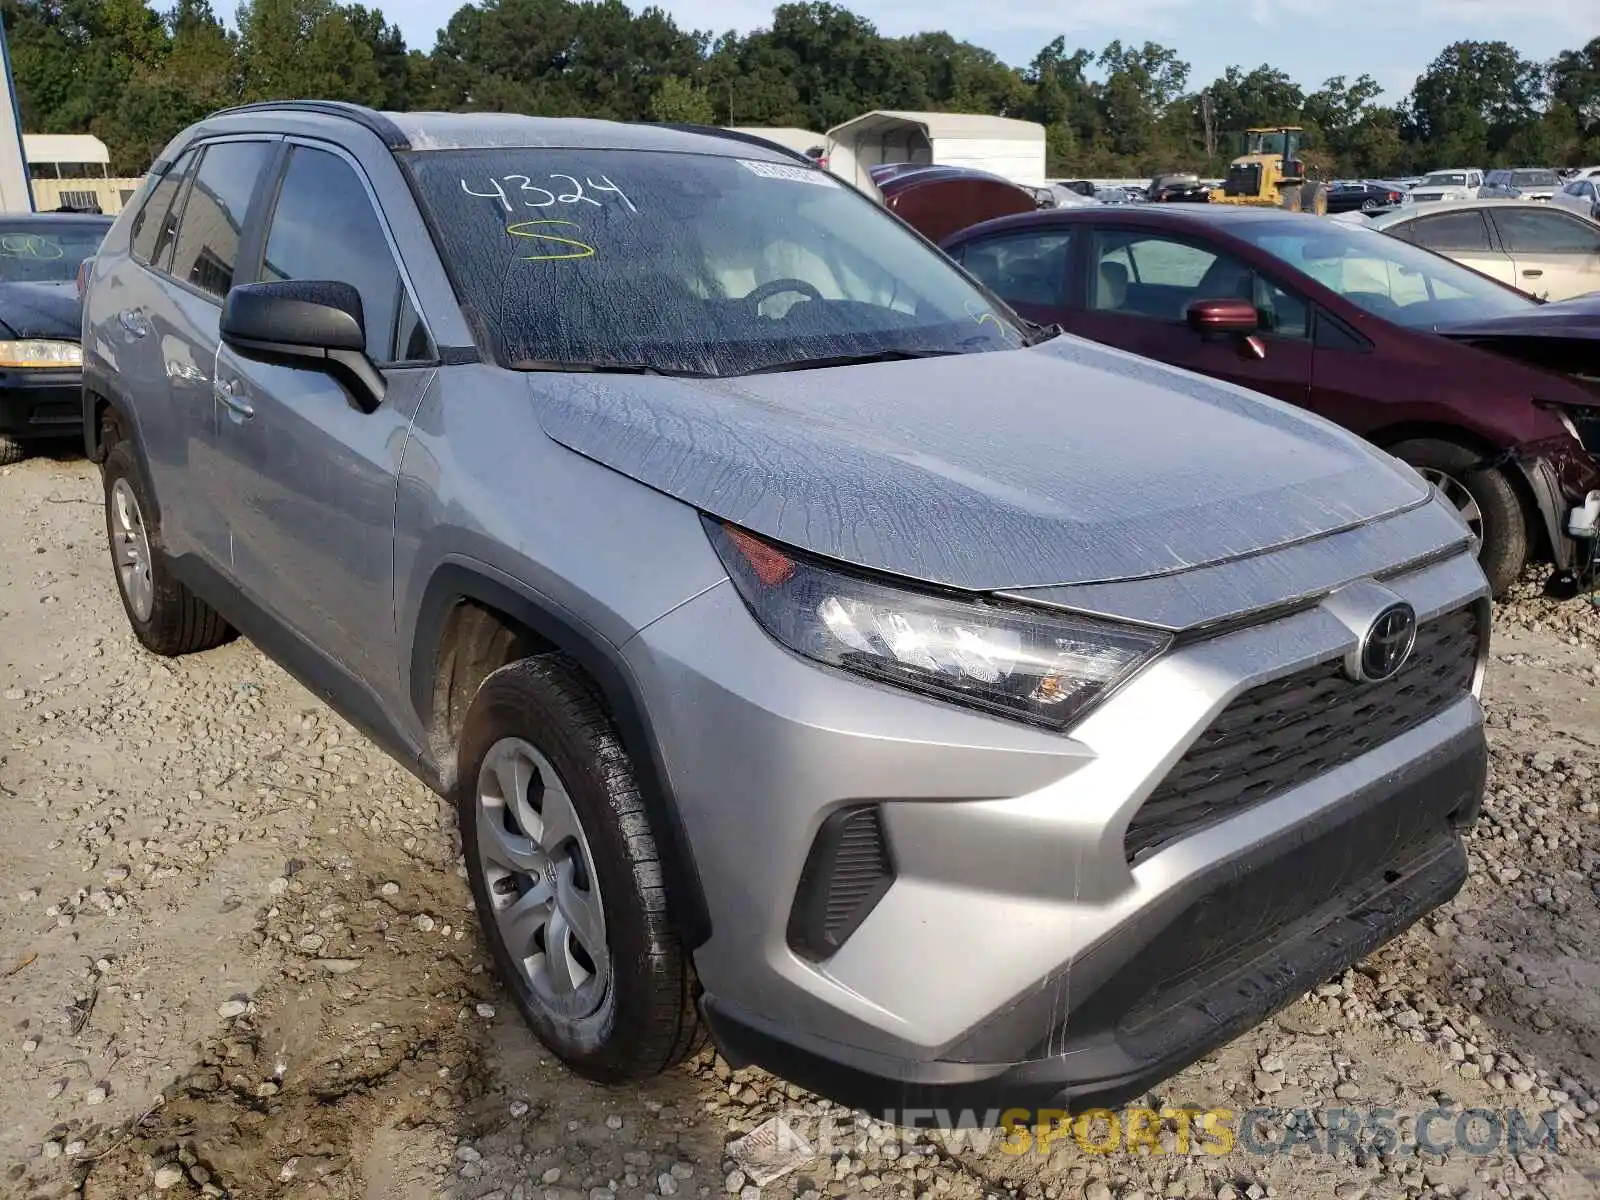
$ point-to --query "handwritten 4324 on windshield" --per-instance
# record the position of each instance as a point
(514, 191)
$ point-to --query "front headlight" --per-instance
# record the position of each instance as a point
(37, 352)
(1027, 663)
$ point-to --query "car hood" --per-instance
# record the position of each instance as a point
(1064, 463)
(1579, 317)
(41, 310)
(1556, 337)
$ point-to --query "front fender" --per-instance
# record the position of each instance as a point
(1559, 473)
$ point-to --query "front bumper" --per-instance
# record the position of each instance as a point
(1357, 877)
(1020, 946)
(39, 404)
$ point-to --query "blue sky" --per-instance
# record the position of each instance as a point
(1392, 40)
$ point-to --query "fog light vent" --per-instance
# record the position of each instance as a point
(846, 874)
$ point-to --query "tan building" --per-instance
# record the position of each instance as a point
(73, 170)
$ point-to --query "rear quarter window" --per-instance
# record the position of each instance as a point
(155, 216)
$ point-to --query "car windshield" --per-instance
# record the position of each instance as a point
(691, 264)
(1385, 276)
(1445, 179)
(34, 252)
(1534, 179)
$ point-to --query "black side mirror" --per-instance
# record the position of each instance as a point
(310, 323)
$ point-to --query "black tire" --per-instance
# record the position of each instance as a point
(11, 451)
(1289, 197)
(1502, 524)
(178, 621)
(648, 1020)
(1314, 199)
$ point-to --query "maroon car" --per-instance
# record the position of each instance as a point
(1381, 336)
(937, 200)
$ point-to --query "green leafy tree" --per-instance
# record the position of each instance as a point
(1575, 103)
(294, 49)
(679, 100)
(1472, 99)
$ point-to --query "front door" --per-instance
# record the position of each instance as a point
(1140, 286)
(1555, 254)
(311, 509)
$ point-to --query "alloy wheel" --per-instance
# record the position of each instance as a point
(541, 881)
(130, 550)
(1456, 492)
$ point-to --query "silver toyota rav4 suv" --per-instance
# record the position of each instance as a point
(941, 713)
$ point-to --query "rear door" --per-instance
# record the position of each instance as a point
(311, 506)
(1140, 283)
(1463, 235)
(1556, 255)
(182, 323)
(120, 330)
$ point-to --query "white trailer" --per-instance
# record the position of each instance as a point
(1009, 148)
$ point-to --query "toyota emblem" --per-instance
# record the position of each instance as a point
(1388, 642)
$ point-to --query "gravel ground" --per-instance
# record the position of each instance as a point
(237, 957)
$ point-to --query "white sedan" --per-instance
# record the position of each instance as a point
(1550, 253)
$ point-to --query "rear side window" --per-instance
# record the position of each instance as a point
(154, 223)
(1530, 231)
(1025, 268)
(325, 228)
(213, 215)
(1450, 231)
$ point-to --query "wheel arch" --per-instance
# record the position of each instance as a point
(1540, 509)
(497, 622)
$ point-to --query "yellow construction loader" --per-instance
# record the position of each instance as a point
(1270, 174)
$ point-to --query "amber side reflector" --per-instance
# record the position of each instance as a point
(772, 566)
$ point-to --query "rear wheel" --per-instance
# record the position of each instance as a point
(1485, 498)
(166, 616)
(1314, 199)
(1289, 197)
(11, 451)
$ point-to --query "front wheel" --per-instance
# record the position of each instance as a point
(11, 451)
(566, 876)
(1485, 498)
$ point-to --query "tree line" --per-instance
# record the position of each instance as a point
(134, 77)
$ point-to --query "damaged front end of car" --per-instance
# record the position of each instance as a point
(1562, 471)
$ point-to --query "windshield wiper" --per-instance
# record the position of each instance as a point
(603, 368)
(849, 360)
(1039, 334)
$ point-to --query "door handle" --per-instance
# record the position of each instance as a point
(132, 320)
(226, 392)
(1532, 273)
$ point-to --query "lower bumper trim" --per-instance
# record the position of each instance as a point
(1395, 857)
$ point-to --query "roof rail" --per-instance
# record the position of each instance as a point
(736, 135)
(360, 114)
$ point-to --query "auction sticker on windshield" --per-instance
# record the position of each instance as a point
(769, 170)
